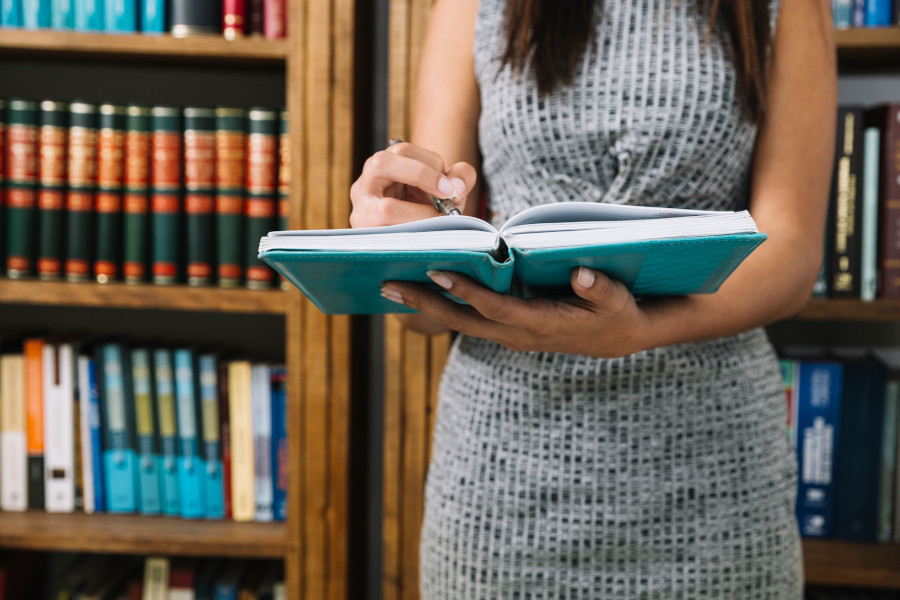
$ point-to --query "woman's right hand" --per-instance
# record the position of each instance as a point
(393, 185)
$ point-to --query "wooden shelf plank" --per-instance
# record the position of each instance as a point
(876, 48)
(131, 534)
(833, 309)
(75, 46)
(144, 296)
(836, 562)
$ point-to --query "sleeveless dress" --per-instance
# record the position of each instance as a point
(666, 474)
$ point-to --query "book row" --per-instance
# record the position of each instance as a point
(865, 13)
(862, 234)
(102, 577)
(181, 18)
(843, 423)
(155, 431)
(137, 193)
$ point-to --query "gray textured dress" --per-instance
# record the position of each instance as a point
(665, 474)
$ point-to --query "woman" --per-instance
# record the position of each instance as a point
(597, 447)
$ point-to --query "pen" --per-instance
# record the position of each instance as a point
(444, 205)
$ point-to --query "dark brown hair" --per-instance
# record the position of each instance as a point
(558, 32)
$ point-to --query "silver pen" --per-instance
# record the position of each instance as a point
(444, 205)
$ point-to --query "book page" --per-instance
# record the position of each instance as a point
(565, 212)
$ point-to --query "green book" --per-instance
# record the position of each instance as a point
(108, 199)
(21, 170)
(231, 152)
(53, 126)
(82, 165)
(136, 195)
(199, 197)
(165, 193)
(260, 201)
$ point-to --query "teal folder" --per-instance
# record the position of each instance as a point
(654, 252)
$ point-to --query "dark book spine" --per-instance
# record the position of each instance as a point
(136, 201)
(196, 17)
(21, 165)
(54, 118)
(846, 186)
(199, 192)
(274, 19)
(233, 18)
(889, 200)
(82, 164)
(2, 183)
(262, 149)
(231, 159)
(279, 443)
(284, 181)
(255, 11)
(108, 199)
(225, 436)
(165, 193)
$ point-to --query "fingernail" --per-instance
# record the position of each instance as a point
(440, 279)
(586, 277)
(459, 186)
(392, 294)
(445, 187)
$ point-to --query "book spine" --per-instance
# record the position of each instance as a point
(156, 578)
(119, 460)
(787, 367)
(148, 457)
(255, 17)
(858, 18)
(233, 17)
(196, 17)
(878, 13)
(2, 184)
(21, 177)
(818, 397)
(190, 465)
(199, 199)
(225, 438)
(86, 392)
(240, 407)
(136, 206)
(209, 403)
(153, 16)
(231, 141)
(36, 14)
(51, 188)
(279, 443)
(121, 16)
(165, 193)
(10, 13)
(846, 183)
(888, 118)
(168, 430)
(888, 460)
(274, 19)
(843, 13)
(63, 15)
(89, 15)
(59, 428)
(13, 436)
(95, 411)
(81, 172)
(108, 198)
(284, 181)
(76, 433)
(869, 257)
(262, 149)
(34, 403)
(262, 442)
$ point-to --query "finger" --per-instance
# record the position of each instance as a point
(501, 308)
(463, 176)
(384, 168)
(377, 212)
(598, 289)
(429, 157)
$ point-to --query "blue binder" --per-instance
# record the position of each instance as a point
(212, 448)
(153, 16)
(121, 16)
(63, 15)
(191, 467)
(148, 454)
(36, 14)
(89, 15)
(164, 375)
(119, 459)
(10, 13)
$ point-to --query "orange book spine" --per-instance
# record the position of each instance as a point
(34, 420)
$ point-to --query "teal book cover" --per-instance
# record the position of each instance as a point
(148, 454)
(10, 13)
(164, 396)
(63, 14)
(191, 467)
(89, 15)
(212, 447)
(119, 456)
(653, 251)
(36, 14)
(121, 16)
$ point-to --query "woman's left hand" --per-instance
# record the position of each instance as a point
(602, 319)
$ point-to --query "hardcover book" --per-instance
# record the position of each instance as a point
(89, 15)
(165, 193)
(262, 442)
(53, 121)
(91, 433)
(164, 374)
(846, 204)
(887, 119)
(108, 198)
(240, 407)
(63, 14)
(119, 447)
(136, 202)
(653, 251)
(191, 486)
(121, 16)
(262, 188)
(59, 427)
(82, 172)
(21, 177)
(212, 451)
(36, 14)
(148, 466)
(153, 16)
(231, 152)
(10, 13)
(199, 198)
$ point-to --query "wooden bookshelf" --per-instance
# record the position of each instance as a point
(836, 562)
(145, 296)
(838, 309)
(868, 48)
(114, 47)
(132, 534)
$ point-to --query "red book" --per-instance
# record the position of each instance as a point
(233, 17)
(887, 118)
(225, 436)
(274, 19)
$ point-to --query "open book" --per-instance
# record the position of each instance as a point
(653, 251)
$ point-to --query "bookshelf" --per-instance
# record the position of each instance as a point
(315, 67)
(414, 363)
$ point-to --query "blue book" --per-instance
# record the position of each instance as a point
(63, 17)
(261, 401)
(119, 456)
(96, 432)
(842, 11)
(10, 13)
(212, 447)
(191, 469)
(121, 16)
(878, 13)
(858, 18)
(36, 14)
(164, 376)
(153, 16)
(279, 443)
(859, 458)
(889, 447)
(817, 392)
(148, 453)
(89, 15)
(653, 251)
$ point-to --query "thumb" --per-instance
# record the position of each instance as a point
(463, 176)
(598, 289)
